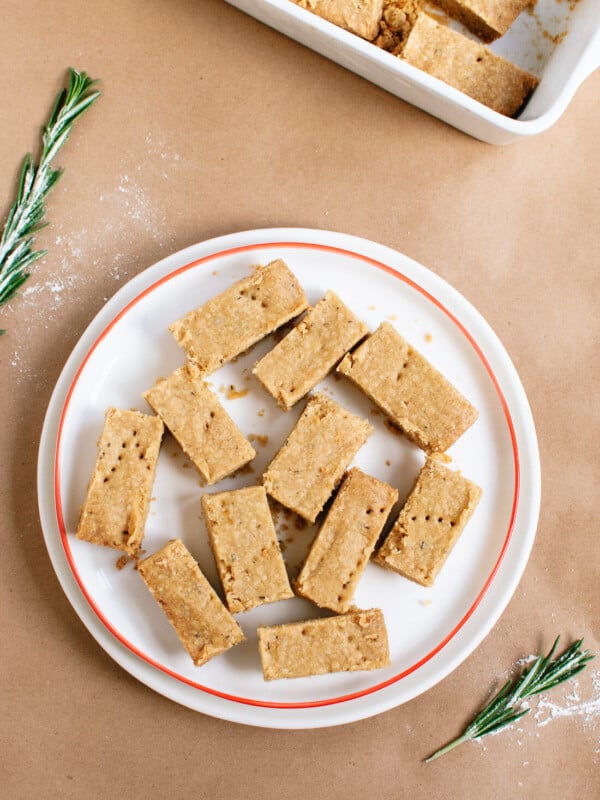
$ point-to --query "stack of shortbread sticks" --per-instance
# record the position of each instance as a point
(303, 476)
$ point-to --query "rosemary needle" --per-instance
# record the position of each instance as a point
(503, 709)
(26, 215)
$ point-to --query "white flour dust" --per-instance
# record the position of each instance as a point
(127, 215)
(585, 708)
(579, 704)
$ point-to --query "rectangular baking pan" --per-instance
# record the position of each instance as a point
(557, 41)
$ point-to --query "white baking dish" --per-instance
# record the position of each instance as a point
(529, 43)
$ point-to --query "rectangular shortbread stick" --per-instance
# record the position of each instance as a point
(234, 320)
(487, 19)
(343, 545)
(244, 543)
(470, 67)
(196, 418)
(429, 524)
(201, 621)
(346, 643)
(311, 463)
(118, 498)
(416, 397)
(310, 351)
(357, 16)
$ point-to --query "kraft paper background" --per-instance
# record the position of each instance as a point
(212, 123)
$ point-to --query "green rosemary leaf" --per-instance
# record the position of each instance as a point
(566, 666)
(25, 217)
(503, 709)
(501, 722)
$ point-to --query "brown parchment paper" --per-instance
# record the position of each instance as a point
(212, 123)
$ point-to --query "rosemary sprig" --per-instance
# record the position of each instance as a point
(503, 708)
(26, 215)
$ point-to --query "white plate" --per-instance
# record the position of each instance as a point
(431, 631)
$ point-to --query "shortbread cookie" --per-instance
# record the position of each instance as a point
(428, 526)
(470, 67)
(118, 498)
(310, 351)
(487, 19)
(244, 543)
(346, 643)
(416, 397)
(234, 320)
(344, 544)
(196, 418)
(357, 16)
(201, 621)
(311, 463)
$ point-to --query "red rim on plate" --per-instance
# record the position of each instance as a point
(246, 700)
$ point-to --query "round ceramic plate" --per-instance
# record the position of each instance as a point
(431, 630)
